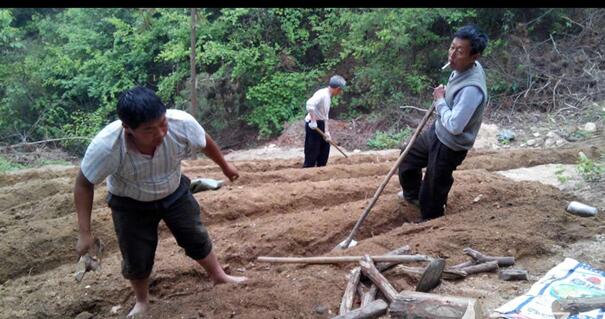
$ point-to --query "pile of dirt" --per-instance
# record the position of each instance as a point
(277, 209)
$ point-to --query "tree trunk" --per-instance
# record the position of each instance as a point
(419, 305)
(192, 63)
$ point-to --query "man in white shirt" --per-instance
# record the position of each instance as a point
(140, 155)
(317, 150)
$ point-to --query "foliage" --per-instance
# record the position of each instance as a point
(559, 174)
(590, 170)
(7, 165)
(61, 70)
(277, 100)
(387, 140)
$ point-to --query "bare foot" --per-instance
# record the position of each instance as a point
(139, 309)
(227, 279)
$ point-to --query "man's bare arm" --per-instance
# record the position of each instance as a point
(83, 197)
(214, 153)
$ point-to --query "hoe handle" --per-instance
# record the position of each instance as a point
(329, 141)
(365, 213)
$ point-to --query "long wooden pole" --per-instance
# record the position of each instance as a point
(192, 63)
(343, 259)
(365, 213)
(329, 141)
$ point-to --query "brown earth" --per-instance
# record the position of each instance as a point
(278, 209)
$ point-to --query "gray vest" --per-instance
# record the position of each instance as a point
(464, 141)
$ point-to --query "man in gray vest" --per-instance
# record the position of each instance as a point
(443, 146)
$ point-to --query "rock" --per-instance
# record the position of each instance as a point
(506, 135)
(590, 127)
(552, 134)
(549, 142)
(532, 142)
(115, 309)
(512, 274)
(537, 134)
(559, 142)
(84, 315)
(320, 309)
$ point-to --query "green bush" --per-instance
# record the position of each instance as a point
(385, 140)
(278, 99)
(7, 165)
(590, 170)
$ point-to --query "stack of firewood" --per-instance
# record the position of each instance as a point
(417, 304)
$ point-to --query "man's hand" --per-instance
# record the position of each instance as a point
(230, 171)
(313, 125)
(328, 137)
(85, 242)
(439, 92)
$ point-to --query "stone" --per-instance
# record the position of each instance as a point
(320, 309)
(552, 134)
(532, 142)
(560, 142)
(84, 315)
(549, 142)
(590, 127)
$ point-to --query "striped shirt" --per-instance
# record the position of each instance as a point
(139, 176)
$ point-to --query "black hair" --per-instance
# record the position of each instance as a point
(477, 38)
(139, 105)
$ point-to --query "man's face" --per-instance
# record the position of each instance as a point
(336, 91)
(459, 55)
(150, 134)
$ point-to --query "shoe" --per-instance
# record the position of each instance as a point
(415, 201)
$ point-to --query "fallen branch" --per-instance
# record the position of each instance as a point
(369, 296)
(373, 310)
(484, 267)
(342, 259)
(481, 258)
(368, 269)
(349, 295)
(448, 273)
(45, 141)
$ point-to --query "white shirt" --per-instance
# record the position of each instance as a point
(319, 104)
(139, 176)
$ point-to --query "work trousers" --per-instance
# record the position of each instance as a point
(317, 150)
(440, 162)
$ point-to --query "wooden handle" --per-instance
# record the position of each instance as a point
(329, 141)
(363, 216)
(342, 259)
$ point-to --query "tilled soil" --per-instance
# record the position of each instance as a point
(276, 208)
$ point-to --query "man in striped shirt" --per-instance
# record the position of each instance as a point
(140, 155)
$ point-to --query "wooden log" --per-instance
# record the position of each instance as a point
(484, 267)
(448, 273)
(512, 274)
(368, 269)
(372, 310)
(349, 295)
(481, 258)
(369, 296)
(383, 266)
(343, 259)
(464, 264)
(420, 305)
(574, 306)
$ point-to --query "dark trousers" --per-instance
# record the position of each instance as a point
(136, 225)
(440, 162)
(317, 150)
